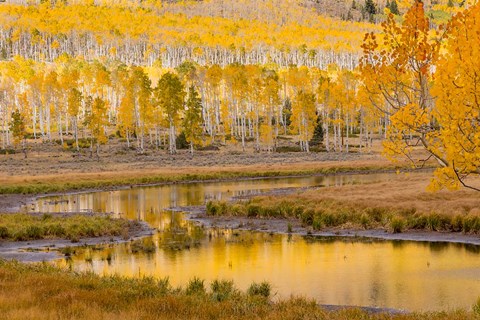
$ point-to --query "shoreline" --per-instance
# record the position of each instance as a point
(12, 202)
(280, 226)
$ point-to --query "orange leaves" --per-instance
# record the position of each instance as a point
(457, 83)
(410, 118)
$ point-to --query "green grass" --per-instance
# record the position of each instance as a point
(50, 186)
(22, 227)
(328, 213)
(40, 291)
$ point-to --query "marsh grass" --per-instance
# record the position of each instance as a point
(260, 289)
(328, 213)
(23, 227)
(396, 205)
(41, 291)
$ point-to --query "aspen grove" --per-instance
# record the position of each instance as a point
(234, 72)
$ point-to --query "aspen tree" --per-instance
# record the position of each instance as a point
(192, 121)
(169, 95)
(19, 130)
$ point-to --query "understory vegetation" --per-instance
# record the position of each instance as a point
(330, 213)
(23, 227)
(30, 291)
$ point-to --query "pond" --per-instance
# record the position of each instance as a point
(414, 276)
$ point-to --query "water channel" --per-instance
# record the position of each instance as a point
(414, 276)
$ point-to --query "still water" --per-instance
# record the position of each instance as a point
(394, 274)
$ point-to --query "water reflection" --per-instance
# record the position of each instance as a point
(364, 272)
(147, 202)
(368, 273)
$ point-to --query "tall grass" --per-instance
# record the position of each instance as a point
(40, 291)
(329, 213)
(22, 227)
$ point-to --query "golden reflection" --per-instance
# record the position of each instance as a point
(410, 276)
(404, 275)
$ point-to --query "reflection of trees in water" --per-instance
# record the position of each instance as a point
(313, 239)
(471, 248)
(180, 234)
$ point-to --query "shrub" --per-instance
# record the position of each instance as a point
(471, 224)
(476, 308)
(307, 217)
(253, 210)
(181, 141)
(3, 232)
(457, 223)
(259, 289)
(195, 286)
(377, 214)
(365, 220)
(317, 222)
(33, 232)
(222, 290)
(216, 208)
(397, 224)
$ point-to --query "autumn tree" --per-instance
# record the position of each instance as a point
(19, 130)
(96, 120)
(399, 78)
(169, 95)
(74, 102)
(304, 118)
(456, 135)
(192, 121)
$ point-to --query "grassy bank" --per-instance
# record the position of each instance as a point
(22, 227)
(329, 213)
(397, 206)
(41, 291)
(50, 184)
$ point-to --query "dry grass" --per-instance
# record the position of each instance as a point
(44, 292)
(407, 192)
